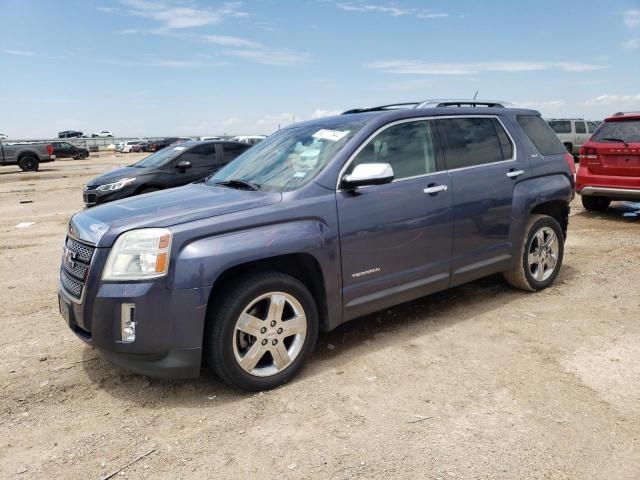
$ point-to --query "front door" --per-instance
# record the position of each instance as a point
(484, 167)
(202, 159)
(395, 238)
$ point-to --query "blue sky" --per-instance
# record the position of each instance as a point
(160, 67)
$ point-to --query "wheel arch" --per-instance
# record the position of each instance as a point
(557, 209)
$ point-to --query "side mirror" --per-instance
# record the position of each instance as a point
(368, 174)
(183, 165)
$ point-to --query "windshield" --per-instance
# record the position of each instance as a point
(290, 158)
(160, 158)
(628, 131)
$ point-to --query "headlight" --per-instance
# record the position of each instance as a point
(138, 255)
(108, 187)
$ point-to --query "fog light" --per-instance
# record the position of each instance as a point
(128, 322)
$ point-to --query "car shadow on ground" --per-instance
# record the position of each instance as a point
(379, 330)
(617, 211)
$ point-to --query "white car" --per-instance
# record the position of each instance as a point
(202, 139)
(249, 139)
(102, 134)
(125, 147)
(3, 136)
(572, 132)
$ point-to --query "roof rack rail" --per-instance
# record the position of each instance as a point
(381, 108)
(437, 103)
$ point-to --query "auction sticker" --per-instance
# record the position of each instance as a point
(332, 135)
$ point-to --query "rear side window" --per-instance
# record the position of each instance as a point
(232, 151)
(541, 135)
(561, 126)
(626, 130)
(581, 127)
(407, 147)
(473, 141)
(201, 155)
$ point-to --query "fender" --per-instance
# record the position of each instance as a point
(200, 263)
(529, 193)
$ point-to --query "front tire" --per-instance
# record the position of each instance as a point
(261, 330)
(29, 163)
(595, 204)
(541, 254)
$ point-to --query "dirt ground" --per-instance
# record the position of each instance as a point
(481, 381)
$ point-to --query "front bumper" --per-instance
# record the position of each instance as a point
(92, 197)
(169, 325)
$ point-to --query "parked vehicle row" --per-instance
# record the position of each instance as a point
(311, 228)
(572, 132)
(67, 150)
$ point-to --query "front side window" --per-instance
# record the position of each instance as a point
(160, 158)
(581, 127)
(560, 126)
(290, 158)
(472, 141)
(200, 155)
(407, 147)
(231, 151)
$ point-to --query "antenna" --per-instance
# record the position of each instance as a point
(474, 97)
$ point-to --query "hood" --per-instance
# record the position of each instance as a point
(102, 224)
(116, 174)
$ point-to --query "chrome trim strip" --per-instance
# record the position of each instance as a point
(620, 192)
(418, 119)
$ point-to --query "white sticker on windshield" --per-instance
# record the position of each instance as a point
(333, 135)
(178, 149)
(299, 174)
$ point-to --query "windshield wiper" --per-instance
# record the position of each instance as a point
(610, 139)
(239, 183)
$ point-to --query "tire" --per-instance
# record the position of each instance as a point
(29, 163)
(228, 348)
(569, 147)
(529, 274)
(595, 204)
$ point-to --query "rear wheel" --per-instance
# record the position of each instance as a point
(541, 255)
(262, 331)
(596, 204)
(29, 163)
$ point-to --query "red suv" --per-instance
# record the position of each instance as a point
(610, 162)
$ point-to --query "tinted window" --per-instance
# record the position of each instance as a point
(627, 130)
(563, 126)
(581, 127)
(592, 127)
(231, 151)
(469, 142)
(407, 147)
(200, 155)
(541, 135)
(505, 142)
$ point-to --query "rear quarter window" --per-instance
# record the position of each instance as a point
(541, 135)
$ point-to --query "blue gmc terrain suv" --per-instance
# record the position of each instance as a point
(322, 222)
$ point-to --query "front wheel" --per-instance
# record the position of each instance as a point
(540, 256)
(596, 204)
(262, 331)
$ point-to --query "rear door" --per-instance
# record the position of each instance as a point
(395, 238)
(614, 157)
(484, 166)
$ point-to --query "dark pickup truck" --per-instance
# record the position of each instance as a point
(320, 223)
(28, 156)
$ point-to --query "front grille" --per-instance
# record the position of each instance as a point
(76, 258)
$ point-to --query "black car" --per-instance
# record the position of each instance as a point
(170, 167)
(70, 134)
(67, 150)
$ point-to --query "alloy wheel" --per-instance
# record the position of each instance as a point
(542, 254)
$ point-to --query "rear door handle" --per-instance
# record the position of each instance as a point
(514, 173)
(435, 189)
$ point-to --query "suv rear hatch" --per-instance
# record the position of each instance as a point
(614, 148)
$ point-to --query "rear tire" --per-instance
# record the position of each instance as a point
(595, 204)
(569, 147)
(29, 163)
(260, 330)
(541, 254)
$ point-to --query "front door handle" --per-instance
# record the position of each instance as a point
(435, 189)
(514, 173)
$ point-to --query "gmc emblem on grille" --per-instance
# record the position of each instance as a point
(68, 256)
